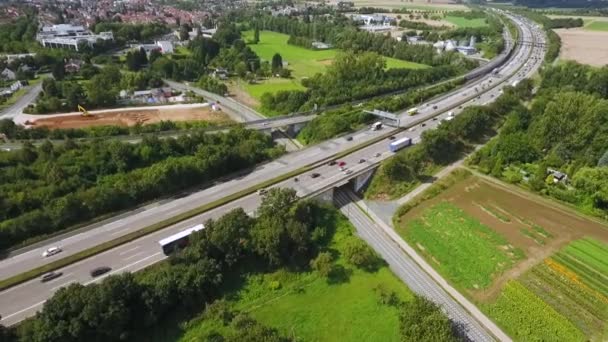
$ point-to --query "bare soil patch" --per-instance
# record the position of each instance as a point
(242, 95)
(133, 117)
(587, 47)
(510, 213)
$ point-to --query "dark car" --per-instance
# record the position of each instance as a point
(423, 125)
(315, 175)
(96, 272)
(349, 138)
(392, 137)
(50, 276)
(361, 160)
(331, 163)
(434, 119)
(434, 107)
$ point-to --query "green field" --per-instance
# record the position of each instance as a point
(463, 22)
(467, 252)
(597, 25)
(304, 305)
(569, 291)
(302, 62)
(526, 317)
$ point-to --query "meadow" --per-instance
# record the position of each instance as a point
(312, 308)
(301, 61)
(460, 247)
(597, 26)
(464, 22)
(555, 290)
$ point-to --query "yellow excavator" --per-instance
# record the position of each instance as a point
(83, 111)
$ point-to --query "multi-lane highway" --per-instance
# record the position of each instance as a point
(23, 300)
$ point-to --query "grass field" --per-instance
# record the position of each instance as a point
(303, 62)
(557, 292)
(597, 26)
(463, 22)
(460, 247)
(306, 306)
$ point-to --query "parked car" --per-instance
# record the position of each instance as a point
(96, 272)
(51, 251)
(50, 276)
(315, 175)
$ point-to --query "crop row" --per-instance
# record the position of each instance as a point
(586, 274)
(591, 253)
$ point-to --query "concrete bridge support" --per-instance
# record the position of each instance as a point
(293, 130)
(361, 180)
(326, 196)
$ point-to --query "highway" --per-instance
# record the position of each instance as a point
(24, 300)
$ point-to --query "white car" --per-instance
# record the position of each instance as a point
(51, 251)
(348, 171)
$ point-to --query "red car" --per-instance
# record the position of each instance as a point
(341, 163)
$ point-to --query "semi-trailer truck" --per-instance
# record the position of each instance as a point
(399, 144)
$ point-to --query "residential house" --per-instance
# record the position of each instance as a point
(8, 74)
(17, 85)
(220, 73)
(558, 176)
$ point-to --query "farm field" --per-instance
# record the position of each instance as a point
(539, 270)
(312, 308)
(464, 22)
(597, 26)
(442, 5)
(583, 46)
(303, 62)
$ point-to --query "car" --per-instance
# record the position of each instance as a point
(491, 95)
(50, 276)
(392, 137)
(342, 168)
(459, 107)
(434, 119)
(434, 107)
(331, 163)
(315, 175)
(261, 191)
(378, 154)
(361, 161)
(341, 163)
(412, 129)
(423, 124)
(349, 138)
(348, 172)
(96, 272)
(51, 251)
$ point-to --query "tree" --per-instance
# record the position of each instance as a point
(58, 71)
(184, 32)
(359, 254)
(277, 62)
(256, 35)
(422, 320)
(323, 264)
(154, 55)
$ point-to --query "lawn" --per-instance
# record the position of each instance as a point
(312, 308)
(463, 22)
(460, 247)
(303, 62)
(597, 25)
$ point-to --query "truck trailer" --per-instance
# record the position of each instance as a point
(399, 144)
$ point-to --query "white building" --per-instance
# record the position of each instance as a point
(69, 36)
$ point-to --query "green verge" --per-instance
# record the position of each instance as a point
(23, 277)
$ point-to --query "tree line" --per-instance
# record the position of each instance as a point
(71, 183)
(20, 35)
(353, 77)
(564, 129)
(286, 233)
(447, 143)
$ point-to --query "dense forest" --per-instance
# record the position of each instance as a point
(50, 188)
(19, 36)
(565, 129)
(286, 233)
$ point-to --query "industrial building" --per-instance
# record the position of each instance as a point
(69, 36)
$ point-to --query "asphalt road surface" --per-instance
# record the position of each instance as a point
(18, 107)
(25, 299)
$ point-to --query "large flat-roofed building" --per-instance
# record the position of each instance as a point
(69, 36)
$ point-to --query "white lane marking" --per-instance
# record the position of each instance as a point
(23, 310)
(129, 250)
(63, 285)
(122, 268)
(133, 256)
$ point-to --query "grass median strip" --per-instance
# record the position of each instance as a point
(31, 274)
